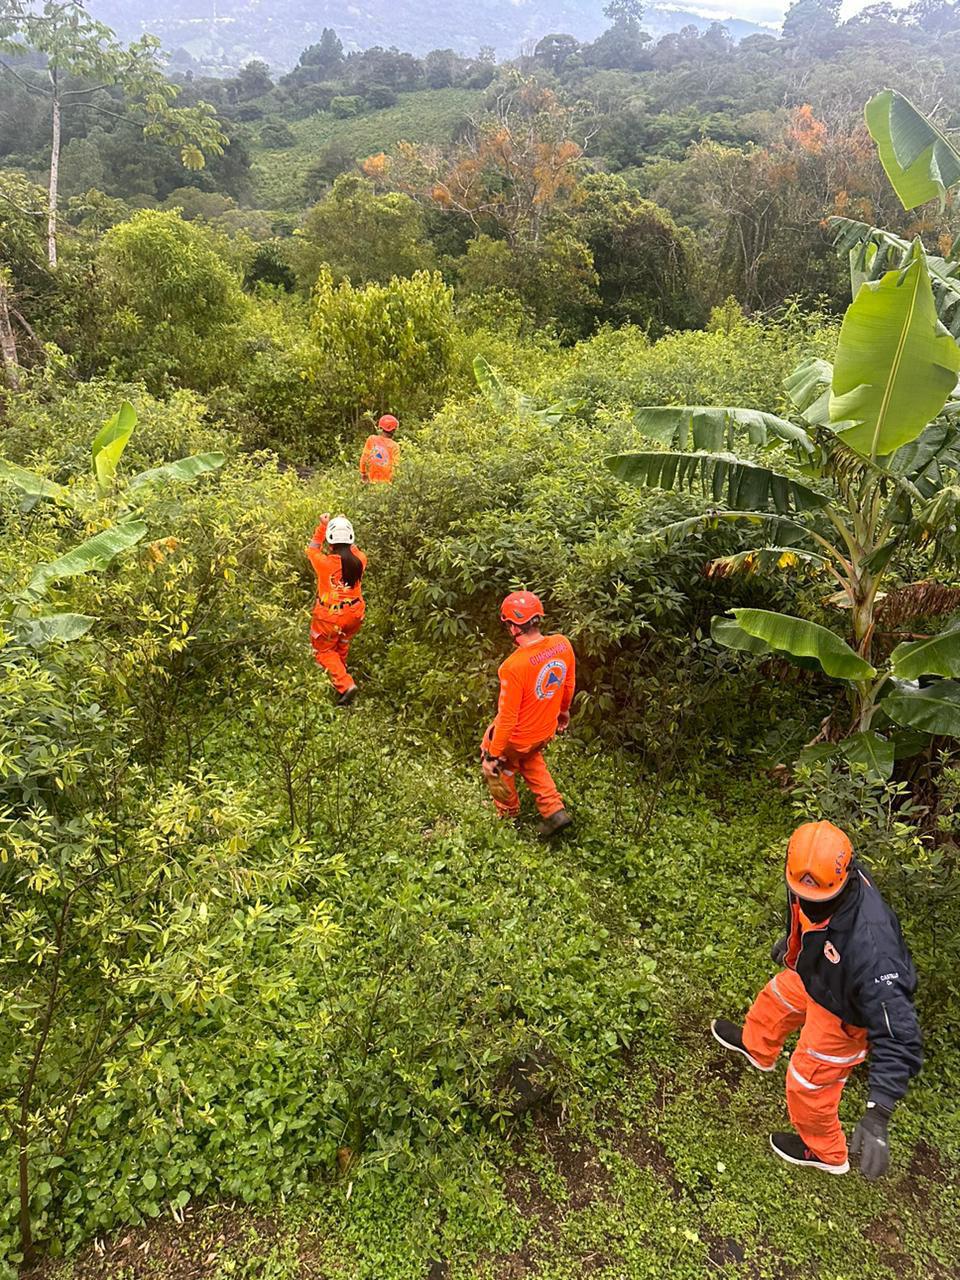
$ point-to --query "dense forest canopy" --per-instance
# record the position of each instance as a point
(671, 327)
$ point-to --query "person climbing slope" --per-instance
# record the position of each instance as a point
(848, 988)
(339, 608)
(380, 453)
(537, 684)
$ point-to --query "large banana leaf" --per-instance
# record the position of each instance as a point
(719, 476)
(492, 385)
(779, 527)
(877, 251)
(764, 560)
(710, 428)
(935, 709)
(895, 365)
(728, 633)
(88, 557)
(31, 484)
(872, 750)
(918, 159)
(63, 627)
(179, 472)
(934, 656)
(506, 399)
(809, 389)
(929, 459)
(110, 442)
(801, 639)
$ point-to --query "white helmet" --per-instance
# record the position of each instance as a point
(339, 530)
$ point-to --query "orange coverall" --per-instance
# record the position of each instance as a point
(379, 459)
(537, 684)
(337, 613)
(826, 1053)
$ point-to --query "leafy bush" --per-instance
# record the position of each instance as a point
(51, 425)
(344, 106)
(383, 346)
(175, 301)
(736, 361)
(277, 133)
(362, 236)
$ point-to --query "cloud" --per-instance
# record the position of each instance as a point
(766, 11)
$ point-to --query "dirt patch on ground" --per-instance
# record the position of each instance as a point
(187, 1250)
(193, 1249)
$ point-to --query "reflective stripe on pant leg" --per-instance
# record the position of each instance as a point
(820, 1066)
(779, 1009)
(849, 1060)
(325, 638)
(534, 771)
(775, 988)
(813, 1107)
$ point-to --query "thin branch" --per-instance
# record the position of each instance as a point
(28, 213)
(27, 328)
(34, 88)
(76, 93)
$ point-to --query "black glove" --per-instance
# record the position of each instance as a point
(869, 1142)
(778, 952)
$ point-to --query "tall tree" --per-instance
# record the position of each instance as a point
(508, 173)
(82, 58)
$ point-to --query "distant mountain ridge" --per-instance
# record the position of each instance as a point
(224, 34)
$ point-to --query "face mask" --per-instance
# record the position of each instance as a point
(819, 912)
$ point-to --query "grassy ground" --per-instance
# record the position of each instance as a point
(669, 1174)
(429, 116)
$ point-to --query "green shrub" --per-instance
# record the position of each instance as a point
(345, 106)
(383, 346)
(53, 425)
(175, 302)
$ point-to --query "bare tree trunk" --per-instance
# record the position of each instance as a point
(54, 192)
(8, 343)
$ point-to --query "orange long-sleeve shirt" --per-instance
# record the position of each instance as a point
(537, 684)
(379, 459)
(332, 593)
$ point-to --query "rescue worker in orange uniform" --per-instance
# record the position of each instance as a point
(380, 453)
(537, 684)
(339, 608)
(848, 988)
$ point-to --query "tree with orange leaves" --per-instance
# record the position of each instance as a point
(509, 172)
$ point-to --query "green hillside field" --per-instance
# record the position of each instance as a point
(428, 116)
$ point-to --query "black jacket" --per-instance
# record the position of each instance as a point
(859, 968)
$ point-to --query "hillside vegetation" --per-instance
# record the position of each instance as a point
(672, 332)
(428, 117)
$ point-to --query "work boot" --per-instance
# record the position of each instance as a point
(792, 1148)
(347, 696)
(549, 827)
(731, 1037)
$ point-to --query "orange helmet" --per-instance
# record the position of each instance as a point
(521, 607)
(388, 423)
(818, 861)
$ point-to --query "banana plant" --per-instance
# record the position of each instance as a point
(96, 553)
(106, 451)
(922, 164)
(871, 469)
(509, 400)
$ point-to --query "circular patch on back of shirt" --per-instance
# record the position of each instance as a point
(550, 679)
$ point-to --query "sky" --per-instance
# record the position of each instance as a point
(768, 11)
